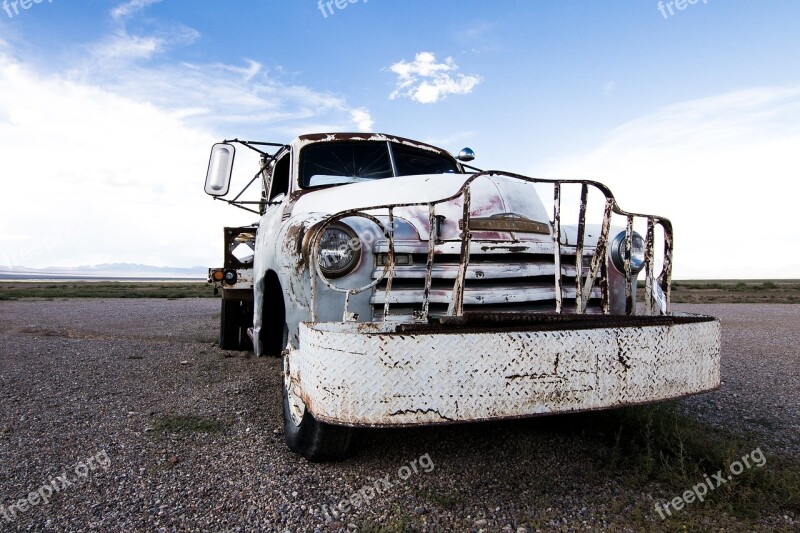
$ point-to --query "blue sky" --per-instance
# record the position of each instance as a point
(108, 108)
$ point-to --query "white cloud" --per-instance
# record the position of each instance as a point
(98, 177)
(362, 119)
(127, 9)
(124, 46)
(724, 169)
(426, 81)
(106, 156)
(120, 45)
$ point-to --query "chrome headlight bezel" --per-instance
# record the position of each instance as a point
(342, 244)
(617, 252)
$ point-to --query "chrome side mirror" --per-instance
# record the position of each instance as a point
(466, 155)
(220, 167)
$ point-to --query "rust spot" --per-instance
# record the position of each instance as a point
(420, 411)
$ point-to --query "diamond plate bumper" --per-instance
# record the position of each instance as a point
(379, 374)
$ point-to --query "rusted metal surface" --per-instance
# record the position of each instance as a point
(367, 374)
(305, 140)
(649, 267)
(433, 236)
(317, 269)
(665, 277)
(579, 243)
(234, 237)
(628, 288)
(559, 290)
(457, 304)
(389, 264)
(589, 284)
(599, 260)
(477, 322)
(506, 222)
(242, 286)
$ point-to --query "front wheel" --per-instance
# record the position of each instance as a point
(314, 440)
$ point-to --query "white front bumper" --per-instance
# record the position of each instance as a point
(366, 374)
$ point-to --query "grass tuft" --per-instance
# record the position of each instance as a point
(659, 443)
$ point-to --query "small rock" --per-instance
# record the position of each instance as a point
(184, 363)
(173, 460)
(149, 429)
(481, 523)
(5, 429)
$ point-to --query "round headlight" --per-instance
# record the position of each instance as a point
(339, 251)
(637, 252)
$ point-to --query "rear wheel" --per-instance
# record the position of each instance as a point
(235, 318)
(229, 325)
(305, 435)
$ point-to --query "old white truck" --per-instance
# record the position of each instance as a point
(403, 287)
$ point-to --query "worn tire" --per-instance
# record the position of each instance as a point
(273, 328)
(246, 322)
(230, 325)
(314, 440)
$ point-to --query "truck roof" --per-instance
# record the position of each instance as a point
(312, 138)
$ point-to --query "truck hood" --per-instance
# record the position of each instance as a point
(490, 195)
(399, 190)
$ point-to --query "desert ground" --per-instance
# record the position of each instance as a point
(130, 409)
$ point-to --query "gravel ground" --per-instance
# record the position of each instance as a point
(83, 384)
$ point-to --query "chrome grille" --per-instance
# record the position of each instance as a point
(501, 277)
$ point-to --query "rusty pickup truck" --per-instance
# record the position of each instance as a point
(403, 287)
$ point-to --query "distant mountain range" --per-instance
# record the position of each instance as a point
(104, 271)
